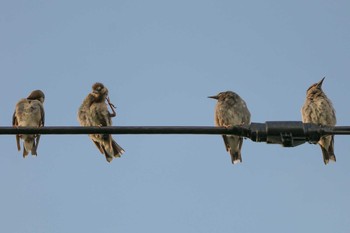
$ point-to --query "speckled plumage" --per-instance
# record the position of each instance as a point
(94, 112)
(231, 110)
(318, 109)
(29, 112)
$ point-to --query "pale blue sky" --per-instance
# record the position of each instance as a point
(160, 61)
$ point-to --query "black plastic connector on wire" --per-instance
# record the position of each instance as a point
(286, 133)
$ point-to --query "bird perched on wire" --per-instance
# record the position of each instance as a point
(94, 112)
(318, 109)
(231, 110)
(29, 112)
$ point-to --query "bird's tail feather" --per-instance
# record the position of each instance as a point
(33, 151)
(112, 149)
(117, 150)
(25, 152)
(109, 158)
(236, 157)
(328, 155)
(234, 148)
(28, 145)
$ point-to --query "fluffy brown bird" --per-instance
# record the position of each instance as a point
(318, 109)
(29, 112)
(231, 110)
(94, 112)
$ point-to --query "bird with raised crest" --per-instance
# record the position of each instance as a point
(318, 109)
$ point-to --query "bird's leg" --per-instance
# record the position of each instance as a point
(112, 107)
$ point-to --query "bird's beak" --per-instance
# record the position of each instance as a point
(95, 92)
(214, 97)
(319, 84)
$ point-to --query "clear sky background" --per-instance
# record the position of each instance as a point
(160, 60)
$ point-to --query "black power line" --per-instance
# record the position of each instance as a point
(286, 133)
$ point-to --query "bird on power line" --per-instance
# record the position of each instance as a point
(29, 112)
(94, 112)
(231, 110)
(318, 109)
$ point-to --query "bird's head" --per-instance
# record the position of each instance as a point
(315, 88)
(99, 91)
(37, 95)
(223, 96)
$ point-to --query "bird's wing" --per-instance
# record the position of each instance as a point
(15, 124)
(227, 145)
(41, 124)
(104, 116)
(98, 145)
(42, 120)
(14, 119)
